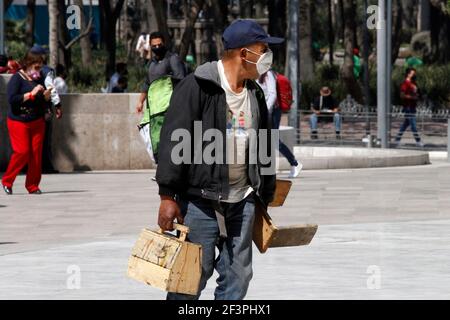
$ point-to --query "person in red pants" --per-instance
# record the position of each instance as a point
(28, 103)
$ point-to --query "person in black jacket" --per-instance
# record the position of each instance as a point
(29, 101)
(216, 199)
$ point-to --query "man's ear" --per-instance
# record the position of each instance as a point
(243, 53)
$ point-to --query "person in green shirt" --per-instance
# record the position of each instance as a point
(356, 63)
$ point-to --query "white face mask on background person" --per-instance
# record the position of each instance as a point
(264, 62)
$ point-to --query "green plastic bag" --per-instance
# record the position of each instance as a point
(158, 99)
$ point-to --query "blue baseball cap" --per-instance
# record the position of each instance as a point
(37, 49)
(243, 32)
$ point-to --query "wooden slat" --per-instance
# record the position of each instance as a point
(281, 192)
(263, 228)
(299, 235)
(267, 235)
(186, 272)
(149, 273)
(157, 248)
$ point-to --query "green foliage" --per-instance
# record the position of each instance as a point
(15, 38)
(84, 79)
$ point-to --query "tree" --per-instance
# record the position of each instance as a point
(306, 59)
(348, 10)
(161, 21)
(330, 31)
(110, 15)
(29, 27)
(440, 31)
(85, 43)
(64, 54)
(7, 4)
(278, 28)
(397, 22)
(149, 16)
(53, 31)
(246, 8)
(220, 13)
(191, 18)
(259, 8)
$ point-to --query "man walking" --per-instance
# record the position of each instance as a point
(216, 200)
(164, 63)
(268, 83)
(409, 93)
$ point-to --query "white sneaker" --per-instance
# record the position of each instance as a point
(295, 170)
(419, 144)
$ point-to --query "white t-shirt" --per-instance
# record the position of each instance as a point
(239, 119)
(60, 85)
(269, 86)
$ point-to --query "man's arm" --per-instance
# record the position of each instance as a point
(177, 66)
(171, 177)
(315, 106)
(143, 97)
(271, 91)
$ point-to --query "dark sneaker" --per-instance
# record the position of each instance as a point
(38, 191)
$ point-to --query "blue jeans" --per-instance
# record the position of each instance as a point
(234, 261)
(410, 120)
(314, 119)
(284, 150)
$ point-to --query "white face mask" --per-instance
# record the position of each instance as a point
(264, 62)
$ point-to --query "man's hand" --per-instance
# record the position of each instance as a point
(139, 107)
(58, 112)
(168, 211)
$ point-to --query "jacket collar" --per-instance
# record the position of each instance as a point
(209, 71)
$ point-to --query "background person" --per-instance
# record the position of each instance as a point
(163, 63)
(409, 94)
(29, 101)
(121, 86)
(268, 83)
(60, 80)
(49, 75)
(325, 105)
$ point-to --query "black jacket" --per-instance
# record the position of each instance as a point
(200, 97)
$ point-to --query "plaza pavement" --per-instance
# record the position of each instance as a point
(383, 234)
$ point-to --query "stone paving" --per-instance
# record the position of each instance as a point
(383, 234)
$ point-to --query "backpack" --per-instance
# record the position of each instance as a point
(284, 92)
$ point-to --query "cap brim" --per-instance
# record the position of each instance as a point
(273, 40)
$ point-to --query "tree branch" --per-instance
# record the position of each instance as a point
(81, 35)
(117, 9)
